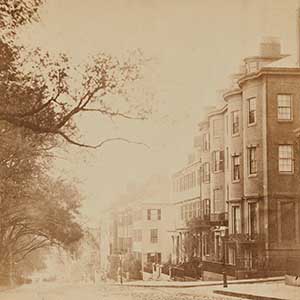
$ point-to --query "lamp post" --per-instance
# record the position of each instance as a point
(225, 284)
(121, 268)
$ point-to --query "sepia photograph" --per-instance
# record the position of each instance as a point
(149, 149)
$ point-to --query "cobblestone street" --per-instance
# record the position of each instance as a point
(55, 291)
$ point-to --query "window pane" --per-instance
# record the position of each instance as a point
(236, 167)
(252, 160)
(285, 158)
(154, 235)
(252, 111)
(284, 103)
(236, 219)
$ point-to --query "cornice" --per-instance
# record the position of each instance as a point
(269, 71)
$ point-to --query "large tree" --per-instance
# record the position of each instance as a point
(36, 211)
(40, 99)
(46, 95)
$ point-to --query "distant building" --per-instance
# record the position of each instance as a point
(139, 229)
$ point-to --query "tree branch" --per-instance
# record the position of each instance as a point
(113, 114)
(71, 141)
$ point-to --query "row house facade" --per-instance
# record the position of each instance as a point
(137, 231)
(248, 215)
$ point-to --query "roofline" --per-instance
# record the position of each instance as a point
(256, 57)
(185, 168)
(217, 111)
(269, 71)
(232, 92)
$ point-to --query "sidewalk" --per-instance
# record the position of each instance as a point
(261, 291)
(187, 284)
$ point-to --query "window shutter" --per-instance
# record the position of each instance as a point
(149, 214)
(213, 159)
(222, 160)
(159, 214)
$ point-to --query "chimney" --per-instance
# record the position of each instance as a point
(270, 47)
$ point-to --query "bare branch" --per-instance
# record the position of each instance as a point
(71, 141)
(114, 114)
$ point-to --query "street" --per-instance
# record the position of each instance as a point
(56, 291)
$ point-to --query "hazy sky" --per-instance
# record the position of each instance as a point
(195, 46)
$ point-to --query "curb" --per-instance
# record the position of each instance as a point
(246, 296)
(202, 284)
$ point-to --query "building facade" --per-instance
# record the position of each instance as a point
(248, 195)
(138, 230)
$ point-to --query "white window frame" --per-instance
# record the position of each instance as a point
(235, 220)
(153, 238)
(291, 159)
(234, 157)
(249, 111)
(280, 119)
(249, 152)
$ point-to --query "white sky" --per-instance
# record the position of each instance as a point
(196, 45)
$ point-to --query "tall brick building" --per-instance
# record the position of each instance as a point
(248, 213)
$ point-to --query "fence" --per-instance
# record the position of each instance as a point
(293, 266)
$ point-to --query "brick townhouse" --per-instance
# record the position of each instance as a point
(240, 208)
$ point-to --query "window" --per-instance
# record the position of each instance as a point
(190, 207)
(218, 160)
(206, 204)
(205, 142)
(235, 122)
(252, 218)
(199, 209)
(198, 176)
(205, 244)
(186, 212)
(284, 107)
(252, 163)
(206, 172)
(236, 219)
(287, 220)
(194, 179)
(252, 111)
(227, 158)
(217, 127)
(286, 162)
(154, 214)
(153, 235)
(194, 209)
(236, 168)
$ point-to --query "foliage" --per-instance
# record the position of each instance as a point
(36, 211)
(14, 13)
(41, 100)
